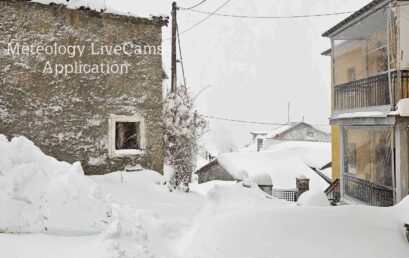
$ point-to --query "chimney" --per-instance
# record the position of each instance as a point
(259, 144)
(303, 184)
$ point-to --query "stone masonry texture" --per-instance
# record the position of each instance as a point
(67, 116)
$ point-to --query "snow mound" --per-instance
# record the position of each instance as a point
(291, 231)
(313, 198)
(261, 179)
(402, 108)
(42, 194)
(204, 188)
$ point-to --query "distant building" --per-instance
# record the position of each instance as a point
(213, 171)
(299, 131)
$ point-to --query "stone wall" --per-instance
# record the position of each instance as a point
(305, 133)
(213, 171)
(67, 116)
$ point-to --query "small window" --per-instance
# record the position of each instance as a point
(310, 134)
(126, 135)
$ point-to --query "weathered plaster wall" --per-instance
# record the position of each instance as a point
(67, 117)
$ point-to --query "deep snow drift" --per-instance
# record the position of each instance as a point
(40, 194)
(146, 220)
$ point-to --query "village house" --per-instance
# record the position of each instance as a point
(84, 109)
(283, 163)
(370, 80)
(296, 131)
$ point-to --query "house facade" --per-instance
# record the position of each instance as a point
(297, 131)
(370, 75)
(83, 85)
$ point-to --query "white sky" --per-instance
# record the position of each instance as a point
(254, 67)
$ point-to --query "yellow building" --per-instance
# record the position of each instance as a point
(370, 79)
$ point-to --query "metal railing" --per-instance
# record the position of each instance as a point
(288, 195)
(368, 192)
(333, 192)
(371, 91)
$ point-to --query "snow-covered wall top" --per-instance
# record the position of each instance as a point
(101, 6)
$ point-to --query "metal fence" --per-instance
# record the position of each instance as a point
(288, 195)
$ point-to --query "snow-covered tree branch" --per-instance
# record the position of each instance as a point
(183, 127)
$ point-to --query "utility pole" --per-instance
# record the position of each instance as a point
(174, 27)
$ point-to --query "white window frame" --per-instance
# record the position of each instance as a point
(113, 119)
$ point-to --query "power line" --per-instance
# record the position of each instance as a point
(252, 122)
(194, 6)
(205, 18)
(270, 17)
(282, 17)
(180, 54)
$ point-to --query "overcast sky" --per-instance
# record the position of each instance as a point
(254, 67)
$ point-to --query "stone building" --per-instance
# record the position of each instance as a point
(297, 131)
(83, 85)
(213, 171)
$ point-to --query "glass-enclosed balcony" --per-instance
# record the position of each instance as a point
(367, 69)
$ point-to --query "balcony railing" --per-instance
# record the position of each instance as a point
(333, 192)
(371, 91)
(368, 192)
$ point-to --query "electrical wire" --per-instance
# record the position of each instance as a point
(281, 17)
(252, 122)
(271, 17)
(194, 6)
(180, 54)
(205, 18)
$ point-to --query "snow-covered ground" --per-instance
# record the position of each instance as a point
(141, 218)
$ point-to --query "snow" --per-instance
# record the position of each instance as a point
(275, 132)
(129, 152)
(311, 232)
(201, 162)
(327, 172)
(42, 194)
(204, 188)
(313, 198)
(216, 219)
(402, 108)
(378, 111)
(282, 162)
(260, 179)
(361, 114)
(144, 10)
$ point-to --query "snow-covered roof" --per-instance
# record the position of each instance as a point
(283, 162)
(274, 132)
(104, 6)
(281, 130)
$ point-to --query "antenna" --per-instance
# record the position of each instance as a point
(288, 112)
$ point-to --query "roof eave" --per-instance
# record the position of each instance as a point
(353, 17)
